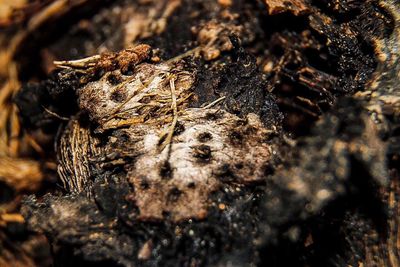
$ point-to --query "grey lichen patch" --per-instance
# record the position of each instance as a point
(163, 180)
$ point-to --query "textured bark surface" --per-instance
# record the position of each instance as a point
(200, 133)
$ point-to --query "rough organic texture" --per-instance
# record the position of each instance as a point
(117, 100)
(320, 167)
(76, 146)
(296, 7)
(174, 156)
(204, 133)
(179, 180)
(211, 148)
(383, 96)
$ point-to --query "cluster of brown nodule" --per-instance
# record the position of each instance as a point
(124, 60)
(174, 156)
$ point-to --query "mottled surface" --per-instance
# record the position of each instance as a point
(238, 142)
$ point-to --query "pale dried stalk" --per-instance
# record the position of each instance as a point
(76, 147)
(174, 108)
(20, 174)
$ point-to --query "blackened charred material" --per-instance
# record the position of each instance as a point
(322, 167)
(39, 104)
(329, 176)
(243, 85)
(104, 228)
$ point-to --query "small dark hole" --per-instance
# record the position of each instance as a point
(213, 116)
(204, 137)
(144, 184)
(236, 137)
(174, 194)
(179, 128)
(191, 185)
(166, 170)
(239, 165)
(202, 152)
(114, 79)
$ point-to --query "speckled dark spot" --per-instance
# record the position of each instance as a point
(191, 185)
(166, 170)
(118, 96)
(225, 173)
(114, 79)
(202, 152)
(179, 128)
(204, 137)
(239, 165)
(213, 116)
(236, 137)
(144, 184)
(174, 194)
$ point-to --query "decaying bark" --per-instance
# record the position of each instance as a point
(212, 133)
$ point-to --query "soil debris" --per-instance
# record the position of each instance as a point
(199, 133)
(296, 7)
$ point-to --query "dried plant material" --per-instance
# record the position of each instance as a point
(9, 123)
(76, 146)
(176, 179)
(8, 259)
(7, 8)
(10, 218)
(384, 251)
(117, 100)
(10, 144)
(145, 251)
(19, 254)
(152, 21)
(297, 7)
(21, 174)
(54, 9)
(124, 60)
(214, 38)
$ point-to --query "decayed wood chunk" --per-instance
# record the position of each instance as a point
(180, 154)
